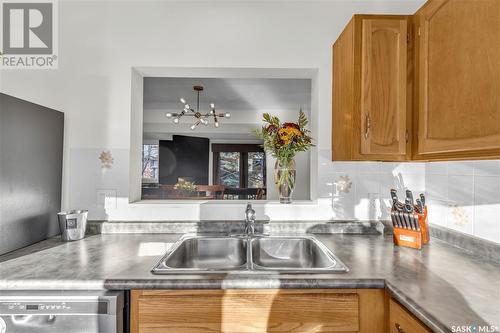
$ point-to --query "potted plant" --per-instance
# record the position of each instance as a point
(283, 141)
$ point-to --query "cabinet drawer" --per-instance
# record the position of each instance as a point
(401, 321)
(245, 311)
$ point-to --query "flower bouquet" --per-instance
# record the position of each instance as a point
(283, 141)
(185, 188)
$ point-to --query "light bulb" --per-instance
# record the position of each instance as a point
(227, 115)
(216, 124)
(194, 125)
(183, 101)
(168, 115)
(186, 107)
(176, 120)
(212, 105)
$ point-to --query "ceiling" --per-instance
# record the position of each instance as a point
(229, 95)
(245, 99)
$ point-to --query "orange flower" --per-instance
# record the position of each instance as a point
(288, 133)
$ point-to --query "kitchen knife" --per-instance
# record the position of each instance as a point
(409, 196)
(394, 196)
(422, 198)
(395, 208)
(404, 218)
(417, 221)
(409, 209)
(420, 207)
(393, 219)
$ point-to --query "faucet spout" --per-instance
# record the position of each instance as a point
(249, 220)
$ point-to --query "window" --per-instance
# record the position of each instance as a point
(229, 169)
(256, 170)
(150, 163)
(241, 168)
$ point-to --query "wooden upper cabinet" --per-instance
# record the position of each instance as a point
(370, 95)
(383, 87)
(458, 59)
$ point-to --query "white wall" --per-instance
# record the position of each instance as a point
(100, 41)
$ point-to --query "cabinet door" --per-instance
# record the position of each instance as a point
(401, 321)
(459, 78)
(383, 86)
(245, 311)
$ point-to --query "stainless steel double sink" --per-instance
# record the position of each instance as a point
(219, 254)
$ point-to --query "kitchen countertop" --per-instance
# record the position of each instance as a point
(442, 285)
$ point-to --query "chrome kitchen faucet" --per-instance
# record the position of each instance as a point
(249, 220)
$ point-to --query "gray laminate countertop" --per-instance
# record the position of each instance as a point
(442, 285)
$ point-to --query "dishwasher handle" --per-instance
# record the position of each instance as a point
(29, 320)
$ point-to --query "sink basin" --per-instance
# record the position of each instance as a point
(239, 254)
(205, 254)
(295, 254)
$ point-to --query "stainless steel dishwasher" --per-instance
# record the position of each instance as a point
(61, 311)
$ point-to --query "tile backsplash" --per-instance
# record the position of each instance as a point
(368, 196)
(463, 196)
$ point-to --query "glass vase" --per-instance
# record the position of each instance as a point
(284, 177)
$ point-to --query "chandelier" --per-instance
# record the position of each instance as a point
(199, 118)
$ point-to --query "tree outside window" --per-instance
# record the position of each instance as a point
(150, 160)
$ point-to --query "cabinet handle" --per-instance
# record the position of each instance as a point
(367, 126)
(398, 327)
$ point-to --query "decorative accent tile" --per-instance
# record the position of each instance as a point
(107, 160)
(460, 218)
(343, 184)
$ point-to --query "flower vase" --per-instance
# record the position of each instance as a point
(284, 177)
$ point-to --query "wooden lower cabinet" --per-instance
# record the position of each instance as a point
(258, 311)
(401, 321)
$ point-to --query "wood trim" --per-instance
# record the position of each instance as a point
(343, 94)
(236, 147)
(243, 170)
(243, 167)
(372, 303)
(197, 292)
(134, 310)
(215, 168)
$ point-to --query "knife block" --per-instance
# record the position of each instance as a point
(424, 226)
(408, 238)
(413, 238)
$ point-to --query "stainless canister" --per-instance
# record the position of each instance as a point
(72, 224)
